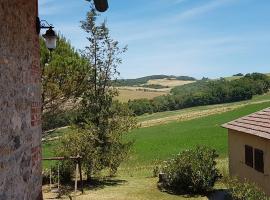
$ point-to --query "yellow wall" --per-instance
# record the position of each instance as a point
(237, 166)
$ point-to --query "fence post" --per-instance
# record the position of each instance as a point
(80, 170)
(76, 177)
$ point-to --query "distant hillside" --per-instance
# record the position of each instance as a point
(144, 80)
(237, 76)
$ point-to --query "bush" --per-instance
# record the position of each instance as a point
(244, 190)
(45, 176)
(66, 170)
(191, 172)
(56, 120)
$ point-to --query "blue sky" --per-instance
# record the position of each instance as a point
(211, 38)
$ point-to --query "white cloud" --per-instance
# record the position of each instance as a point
(199, 10)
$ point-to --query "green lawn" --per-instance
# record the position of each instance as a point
(160, 142)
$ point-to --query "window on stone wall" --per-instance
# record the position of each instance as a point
(259, 162)
(249, 156)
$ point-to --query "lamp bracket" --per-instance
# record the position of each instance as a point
(42, 24)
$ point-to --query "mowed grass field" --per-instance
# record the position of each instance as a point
(147, 120)
(162, 141)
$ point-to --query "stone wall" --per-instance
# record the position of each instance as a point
(20, 101)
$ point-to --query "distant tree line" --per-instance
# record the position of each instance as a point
(144, 80)
(154, 86)
(239, 74)
(204, 92)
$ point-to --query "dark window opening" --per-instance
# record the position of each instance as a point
(249, 156)
(259, 162)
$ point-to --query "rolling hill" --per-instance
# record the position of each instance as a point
(146, 79)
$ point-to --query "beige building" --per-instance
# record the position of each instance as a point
(249, 148)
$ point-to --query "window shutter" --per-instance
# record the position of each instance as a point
(249, 156)
(259, 162)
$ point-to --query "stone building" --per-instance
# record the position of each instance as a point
(249, 148)
(20, 101)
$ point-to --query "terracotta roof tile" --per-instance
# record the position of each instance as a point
(255, 124)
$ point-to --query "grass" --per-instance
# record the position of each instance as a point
(256, 99)
(128, 188)
(158, 143)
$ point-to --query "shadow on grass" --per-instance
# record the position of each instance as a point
(94, 184)
(219, 194)
(222, 194)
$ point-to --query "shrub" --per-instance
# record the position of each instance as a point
(45, 176)
(66, 170)
(244, 190)
(56, 120)
(191, 172)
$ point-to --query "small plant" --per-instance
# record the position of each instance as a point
(191, 172)
(244, 190)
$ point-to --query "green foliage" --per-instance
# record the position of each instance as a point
(244, 190)
(103, 122)
(64, 74)
(205, 93)
(80, 142)
(239, 74)
(52, 120)
(64, 79)
(141, 106)
(154, 86)
(191, 172)
(144, 80)
(66, 170)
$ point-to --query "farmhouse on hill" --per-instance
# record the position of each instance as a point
(249, 148)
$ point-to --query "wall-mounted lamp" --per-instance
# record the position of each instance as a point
(101, 5)
(50, 36)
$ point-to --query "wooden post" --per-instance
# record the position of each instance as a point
(50, 177)
(80, 170)
(58, 177)
(76, 176)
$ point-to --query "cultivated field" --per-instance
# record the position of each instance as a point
(138, 92)
(168, 82)
(126, 94)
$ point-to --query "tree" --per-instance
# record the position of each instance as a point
(64, 77)
(103, 120)
(64, 74)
